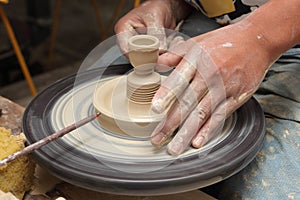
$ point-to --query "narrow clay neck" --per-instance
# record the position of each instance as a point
(143, 82)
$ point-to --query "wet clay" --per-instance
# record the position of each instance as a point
(143, 82)
(125, 102)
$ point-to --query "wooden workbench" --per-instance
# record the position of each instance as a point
(50, 187)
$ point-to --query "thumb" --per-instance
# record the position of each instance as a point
(169, 59)
(176, 51)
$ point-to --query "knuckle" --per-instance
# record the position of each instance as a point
(200, 113)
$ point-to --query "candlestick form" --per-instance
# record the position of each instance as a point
(143, 82)
(125, 102)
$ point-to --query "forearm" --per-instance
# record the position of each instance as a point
(275, 26)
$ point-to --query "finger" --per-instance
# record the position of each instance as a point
(156, 28)
(174, 42)
(156, 23)
(163, 131)
(193, 123)
(177, 49)
(183, 137)
(207, 131)
(179, 79)
(179, 112)
(172, 87)
(160, 68)
(215, 123)
(122, 39)
(169, 59)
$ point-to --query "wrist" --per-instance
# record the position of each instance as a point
(275, 26)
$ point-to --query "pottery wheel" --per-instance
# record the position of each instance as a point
(101, 160)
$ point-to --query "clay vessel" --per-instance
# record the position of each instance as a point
(125, 102)
(143, 82)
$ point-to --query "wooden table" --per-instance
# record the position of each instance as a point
(49, 187)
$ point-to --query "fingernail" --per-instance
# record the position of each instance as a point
(156, 106)
(198, 142)
(159, 139)
(175, 148)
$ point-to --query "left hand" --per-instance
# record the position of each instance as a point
(151, 17)
(215, 74)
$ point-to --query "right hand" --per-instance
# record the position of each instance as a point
(215, 74)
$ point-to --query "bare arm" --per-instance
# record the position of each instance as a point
(219, 71)
(275, 25)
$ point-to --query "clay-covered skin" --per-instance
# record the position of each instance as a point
(216, 72)
(151, 16)
(234, 58)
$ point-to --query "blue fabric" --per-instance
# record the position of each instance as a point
(275, 172)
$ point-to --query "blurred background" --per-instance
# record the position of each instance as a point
(54, 37)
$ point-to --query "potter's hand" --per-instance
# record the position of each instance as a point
(216, 73)
(151, 17)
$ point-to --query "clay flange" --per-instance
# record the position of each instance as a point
(125, 102)
(121, 115)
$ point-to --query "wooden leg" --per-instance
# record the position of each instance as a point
(54, 30)
(115, 15)
(99, 19)
(136, 3)
(18, 52)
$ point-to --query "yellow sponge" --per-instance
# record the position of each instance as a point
(16, 177)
